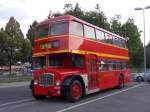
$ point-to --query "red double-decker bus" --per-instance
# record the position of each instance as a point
(73, 58)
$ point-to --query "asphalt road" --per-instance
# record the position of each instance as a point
(133, 98)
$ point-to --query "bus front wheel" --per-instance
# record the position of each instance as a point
(75, 91)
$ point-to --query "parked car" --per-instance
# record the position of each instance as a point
(147, 77)
(138, 77)
(141, 77)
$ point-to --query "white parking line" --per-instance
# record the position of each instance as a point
(90, 101)
(16, 102)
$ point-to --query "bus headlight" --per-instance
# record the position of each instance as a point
(35, 82)
(57, 83)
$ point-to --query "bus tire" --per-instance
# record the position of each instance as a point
(121, 82)
(75, 91)
(139, 79)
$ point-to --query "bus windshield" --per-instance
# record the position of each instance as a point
(39, 62)
(66, 60)
(58, 28)
(42, 31)
(54, 28)
(55, 61)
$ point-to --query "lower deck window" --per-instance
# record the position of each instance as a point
(77, 61)
(39, 62)
(55, 61)
(105, 65)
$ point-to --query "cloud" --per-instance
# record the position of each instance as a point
(15, 9)
(16, 12)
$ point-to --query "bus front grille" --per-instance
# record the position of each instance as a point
(46, 80)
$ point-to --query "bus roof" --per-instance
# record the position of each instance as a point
(69, 17)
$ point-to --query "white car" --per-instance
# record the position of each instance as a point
(147, 77)
(141, 77)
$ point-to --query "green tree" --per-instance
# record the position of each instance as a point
(68, 7)
(97, 17)
(26, 50)
(31, 32)
(115, 25)
(130, 30)
(75, 11)
(3, 47)
(13, 30)
(15, 40)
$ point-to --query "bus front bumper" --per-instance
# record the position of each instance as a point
(47, 91)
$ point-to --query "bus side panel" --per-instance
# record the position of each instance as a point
(127, 75)
(104, 80)
(108, 79)
(113, 78)
(79, 43)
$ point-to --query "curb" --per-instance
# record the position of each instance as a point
(14, 84)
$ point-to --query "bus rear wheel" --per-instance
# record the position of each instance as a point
(121, 82)
(75, 91)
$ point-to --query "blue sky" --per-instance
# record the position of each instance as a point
(26, 11)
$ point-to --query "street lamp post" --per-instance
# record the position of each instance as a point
(143, 9)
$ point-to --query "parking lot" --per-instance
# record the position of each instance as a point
(134, 97)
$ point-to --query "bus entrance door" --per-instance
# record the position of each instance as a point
(92, 72)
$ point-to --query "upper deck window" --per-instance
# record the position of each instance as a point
(100, 35)
(108, 38)
(76, 28)
(89, 32)
(119, 42)
(122, 43)
(103, 65)
(42, 31)
(59, 28)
